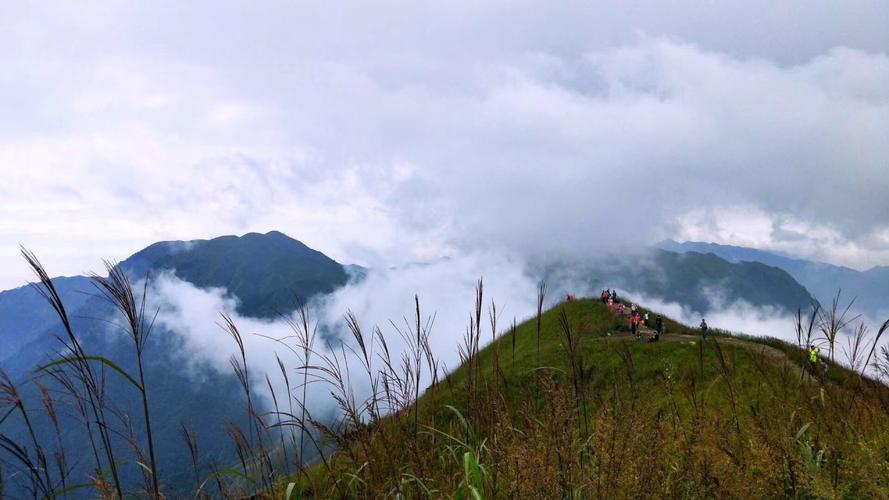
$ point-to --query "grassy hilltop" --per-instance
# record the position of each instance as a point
(593, 413)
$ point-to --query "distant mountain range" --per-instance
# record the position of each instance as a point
(870, 288)
(269, 273)
(699, 282)
(24, 314)
(704, 282)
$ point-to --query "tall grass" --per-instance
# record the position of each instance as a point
(117, 291)
(833, 320)
(92, 390)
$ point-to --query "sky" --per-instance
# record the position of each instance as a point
(387, 133)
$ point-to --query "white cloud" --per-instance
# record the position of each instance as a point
(386, 136)
(445, 289)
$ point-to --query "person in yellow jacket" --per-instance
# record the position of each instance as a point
(813, 355)
(815, 363)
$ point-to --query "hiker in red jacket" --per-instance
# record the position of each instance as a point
(611, 305)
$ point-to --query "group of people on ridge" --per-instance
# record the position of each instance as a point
(609, 297)
(637, 320)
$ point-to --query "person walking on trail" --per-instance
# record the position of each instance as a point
(611, 305)
(620, 308)
(614, 294)
(815, 364)
(645, 321)
(704, 328)
(633, 307)
(634, 324)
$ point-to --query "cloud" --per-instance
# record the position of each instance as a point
(388, 135)
(445, 289)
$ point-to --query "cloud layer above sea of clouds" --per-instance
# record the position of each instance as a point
(393, 134)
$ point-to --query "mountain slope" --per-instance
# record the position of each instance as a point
(23, 312)
(870, 287)
(704, 281)
(267, 272)
(700, 282)
(584, 410)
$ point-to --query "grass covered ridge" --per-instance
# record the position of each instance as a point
(593, 415)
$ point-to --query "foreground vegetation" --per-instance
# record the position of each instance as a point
(566, 404)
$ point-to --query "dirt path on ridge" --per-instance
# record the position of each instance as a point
(766, 350)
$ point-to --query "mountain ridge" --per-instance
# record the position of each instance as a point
(823, 280)
(22, 309)
(288, 270)
(571, 401)
(228, 262)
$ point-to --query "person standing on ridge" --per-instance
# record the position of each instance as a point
(815, 364)
(658, 325)
(704, 328)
